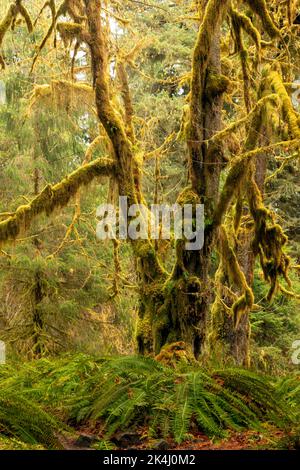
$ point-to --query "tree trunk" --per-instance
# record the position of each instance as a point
(180, 310)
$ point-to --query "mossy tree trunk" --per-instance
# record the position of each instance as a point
(171, 308)
(231, 338)
(181, 305)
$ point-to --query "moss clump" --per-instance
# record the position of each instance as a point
(216, 85)
(173, 354)
(69, 31)
(188, 196)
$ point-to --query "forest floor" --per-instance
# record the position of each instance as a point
(247, 440)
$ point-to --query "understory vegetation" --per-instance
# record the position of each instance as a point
(43, 401)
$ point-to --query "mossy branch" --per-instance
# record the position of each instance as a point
(128, 177)
(53, 197)
(202, 56)
(246, 24)
(289, 115)
(230, 263)
(224, 133)
(213, 15)
(260, 8)
(51, 5)
(13, 11)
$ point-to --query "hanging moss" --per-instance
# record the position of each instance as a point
(5, 25)
(269, 241)
(52, 197)
(69, 31)
(63, 94)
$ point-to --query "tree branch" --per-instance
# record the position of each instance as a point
(53, 197)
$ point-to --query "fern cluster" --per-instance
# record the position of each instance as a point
(24, 420)
(125, 393)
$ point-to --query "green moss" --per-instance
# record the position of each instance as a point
(188, 196)
(216, 85)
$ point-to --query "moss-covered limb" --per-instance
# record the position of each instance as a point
(126, 96)
(163, 149)
(269, 239)
(7, 21)
(236, 276)
(93, 146)
(48, 4)
(53, 197)
(241, 49)
(238, 171)
(109, 118)
(23, 12)
(260, 8)
(278, 97)
(51, 5)
(201, 61)
(246, 24)
(223, 134)
(214, 12)
(289, 115)
(284, 161)
(127, 169)
(15, 9)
